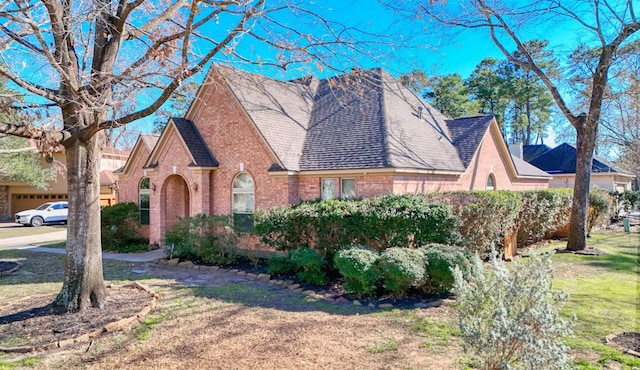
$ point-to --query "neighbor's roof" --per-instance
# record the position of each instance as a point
(149, 140)
(529, 152)
(562, 159)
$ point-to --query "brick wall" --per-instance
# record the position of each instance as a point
(128, 185)
(237, 145)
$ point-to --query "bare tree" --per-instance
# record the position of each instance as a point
(609, 24)
(103, 64)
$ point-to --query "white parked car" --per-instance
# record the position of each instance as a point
(44, 214)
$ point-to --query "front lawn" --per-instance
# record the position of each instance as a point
(209, 319)
(604, 296)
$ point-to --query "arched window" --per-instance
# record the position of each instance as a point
(491, 183)
(144, 196)
(243, 202)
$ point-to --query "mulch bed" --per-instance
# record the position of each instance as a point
(8, 268)
(32, 324)
(629, 342)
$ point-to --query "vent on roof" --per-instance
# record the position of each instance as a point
(418, 112)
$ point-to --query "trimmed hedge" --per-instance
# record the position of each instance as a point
(542, 212)
(381, 222)
(600, 207)
(486, 216)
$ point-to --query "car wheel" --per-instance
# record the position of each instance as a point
(37, 221)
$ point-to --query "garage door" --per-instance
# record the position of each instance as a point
(20, 202)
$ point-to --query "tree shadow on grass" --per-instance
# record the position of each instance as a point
(625, 262)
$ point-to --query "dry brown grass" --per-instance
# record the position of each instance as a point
(209, 320)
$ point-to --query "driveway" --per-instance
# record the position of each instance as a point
(23, 242)
(33, 243)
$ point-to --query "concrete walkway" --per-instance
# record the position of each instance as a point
(34, 242)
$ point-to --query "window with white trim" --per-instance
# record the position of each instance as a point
(144, 198)
(243, 202)
(348, 189)
(327, 189)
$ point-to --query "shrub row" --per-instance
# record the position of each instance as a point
(396, 270)
(478, 220)
(366, 272)
(208, 239)
(381, 222)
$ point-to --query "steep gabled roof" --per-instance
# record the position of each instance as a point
(562, 160)
(280, 110)
(200, 153)
(366, 119)
(193, 142)
(467, 134)
(144, 140)
(529, 152)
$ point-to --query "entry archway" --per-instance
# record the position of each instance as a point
(174, 201)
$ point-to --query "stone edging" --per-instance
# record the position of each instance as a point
(609, 340)
(11, 271)
(311, 296)
(108, 328)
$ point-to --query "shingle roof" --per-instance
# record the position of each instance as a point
(467, 134)
(562, 159)
(529, 152)
(366, 119)
(149, 140)
(200, 153)
(526, 169)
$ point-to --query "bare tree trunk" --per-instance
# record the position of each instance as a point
(585, 144)
(83, 278)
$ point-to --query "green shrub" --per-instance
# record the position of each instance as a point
(439, 262)
(120, 228)
(203, 238)
(542, 212)
(509, 318)
(599, 207)
(401, 268)
(380, 222)
(310, 265)
(485, 216)
(280, 266)
(357, 265)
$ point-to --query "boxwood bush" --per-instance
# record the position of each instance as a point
(439, 260)
(357, 265)
(401, 268)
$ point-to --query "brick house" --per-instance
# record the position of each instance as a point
(250, 142)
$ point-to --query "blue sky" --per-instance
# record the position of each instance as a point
(432, 54)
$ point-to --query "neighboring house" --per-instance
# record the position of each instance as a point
(560, 162)
(19, 196)
(250, 142)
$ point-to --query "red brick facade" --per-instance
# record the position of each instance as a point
(179, 190)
